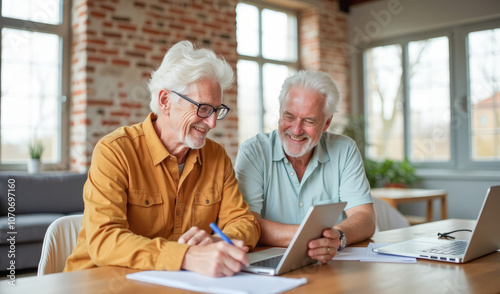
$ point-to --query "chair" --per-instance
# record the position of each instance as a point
(388, 217)
(59, 241)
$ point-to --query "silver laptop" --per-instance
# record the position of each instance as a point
(274, 262)
(485, 238)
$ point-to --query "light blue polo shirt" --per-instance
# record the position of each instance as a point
(271, 188)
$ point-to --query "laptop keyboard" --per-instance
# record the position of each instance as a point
(452, 248)
(270, 262)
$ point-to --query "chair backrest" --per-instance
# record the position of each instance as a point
(388, 217)
(59, 241)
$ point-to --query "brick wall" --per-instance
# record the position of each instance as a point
(324, 35)
(118, 43)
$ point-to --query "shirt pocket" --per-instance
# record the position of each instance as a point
(206, 207)
(145, 213)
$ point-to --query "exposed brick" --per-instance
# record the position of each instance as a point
(188, 21)
(110, 122)
(96, 59)
(120, 113)
(97, 14)
(109, 52)
(132, 105)
(120, 62)
(139, 4)
(96, 41)
(151, 31)
(121, 18)
(127, 27)
(135, 54)
(143, 47)
(98, 102)
(112, 35)
(106, 7)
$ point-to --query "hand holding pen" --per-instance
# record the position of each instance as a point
(215, 259)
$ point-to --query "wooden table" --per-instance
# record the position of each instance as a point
(395, 196)
(426, 276)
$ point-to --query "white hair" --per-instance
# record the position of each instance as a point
(184, 64)
(320, 82)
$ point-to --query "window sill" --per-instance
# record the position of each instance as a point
(469, 175)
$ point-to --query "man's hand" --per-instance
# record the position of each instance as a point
(217, 259)
(195, 236)
(325, 248)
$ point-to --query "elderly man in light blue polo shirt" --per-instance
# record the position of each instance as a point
(283, 173)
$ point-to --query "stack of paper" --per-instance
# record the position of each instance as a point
(367, 255)
(243, 283)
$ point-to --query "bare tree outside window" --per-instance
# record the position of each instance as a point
(484, 77)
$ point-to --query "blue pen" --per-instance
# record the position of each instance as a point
(220, 233)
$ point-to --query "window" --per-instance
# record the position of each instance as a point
(268, 53)
(484, 77)
(418, 108)
(34, 80)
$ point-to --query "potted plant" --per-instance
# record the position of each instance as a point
(36, 149)
(390, 173)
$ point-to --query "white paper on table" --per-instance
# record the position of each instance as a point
(372, 256)
(243, 283)
(367, 255)
(351, 253)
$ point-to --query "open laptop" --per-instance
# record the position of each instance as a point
(274, 262)
(485, 238)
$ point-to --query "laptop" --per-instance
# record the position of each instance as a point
(485, 238)
(276, 261)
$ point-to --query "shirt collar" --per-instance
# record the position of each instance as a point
(319, 154)
(156, 148)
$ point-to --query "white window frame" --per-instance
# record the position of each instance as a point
(63, 30)
(260, 60)
(460, 149)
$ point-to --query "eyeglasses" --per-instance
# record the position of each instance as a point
(206, 110)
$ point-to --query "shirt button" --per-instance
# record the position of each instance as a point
(301, 204)
(177, 213)
(147, 202)
(291, 174)
(207, 201)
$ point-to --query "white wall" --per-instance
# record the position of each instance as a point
(375, 21)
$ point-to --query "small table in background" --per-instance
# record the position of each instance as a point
(395, 196)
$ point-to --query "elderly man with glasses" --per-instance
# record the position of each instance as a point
(154, 188)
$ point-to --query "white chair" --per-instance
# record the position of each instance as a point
(388, 217)
(59, 241)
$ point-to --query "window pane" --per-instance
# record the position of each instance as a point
(248, 99)
(484, 78)
(30, 106)
(247, 29)
(45, 11)
(429, 99)
(274, 75)
(385, 103)
(279, 35)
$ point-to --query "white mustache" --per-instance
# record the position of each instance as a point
(300, 137)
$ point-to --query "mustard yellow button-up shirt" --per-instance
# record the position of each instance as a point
(137, 205)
